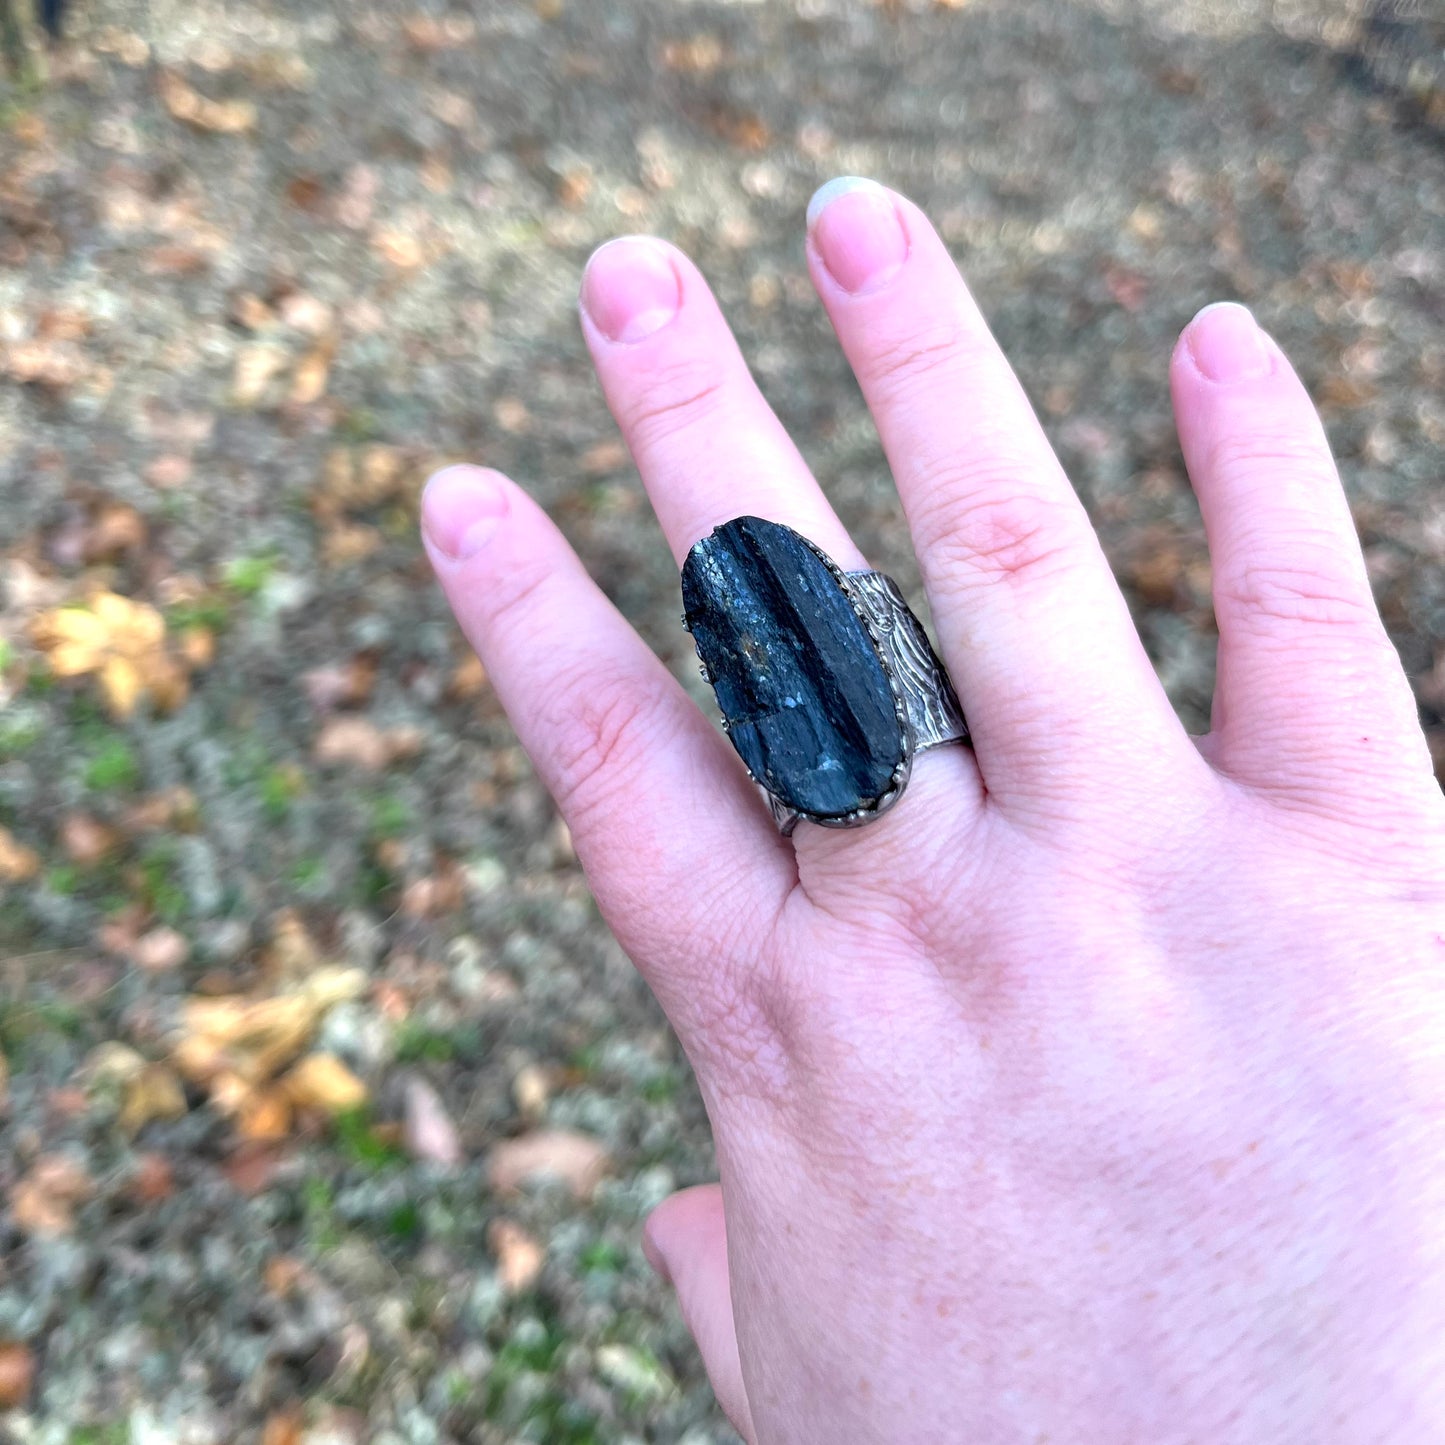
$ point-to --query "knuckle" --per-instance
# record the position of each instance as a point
(987, 530)
(1318, 596)
(901, 360)
(675, 397)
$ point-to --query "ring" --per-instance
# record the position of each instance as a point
(827, 682)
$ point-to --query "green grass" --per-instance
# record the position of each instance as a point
(166, 897)
(112, 766)
(246, 576)
(390, 817)
(359, 1142)
(600, 1257)
(279, 788)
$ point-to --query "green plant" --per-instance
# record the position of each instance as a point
(112, 767)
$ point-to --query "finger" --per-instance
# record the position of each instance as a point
(660, 811)
(686, 1241)
(1053, 678)
(708, 446)
(1310, 690)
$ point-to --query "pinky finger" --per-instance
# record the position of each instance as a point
(660, 812)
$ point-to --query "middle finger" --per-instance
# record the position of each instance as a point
(1060, 696)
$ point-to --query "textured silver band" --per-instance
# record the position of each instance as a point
(918, 677)
(928, 695)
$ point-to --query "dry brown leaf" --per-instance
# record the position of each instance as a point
(341, 684)
(44, 1201)
(399, 249)
(256, 367)
(86, 840)
(54, 365)
(428, 1132)
(577, 1160)
(115, 529)
(264, 1117)
(308, 381)
(531, 1089)
(197, 647)
(604, 457)
(226, 117)
(153, 1181)
(519, 1256)
(700, 55)
(18, 863)
(468, 679)
(154, 1093)
(160, 950)
(348, 543)
(361, 743)
(118, 640)
(306, 313)
(322, 1082)
(253, 1168)
(282, 1273)
(17, 1374)
(170, 808)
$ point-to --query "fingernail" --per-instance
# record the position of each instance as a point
(855, 228)
(460, 510)
(1227, 344)
(630, 288)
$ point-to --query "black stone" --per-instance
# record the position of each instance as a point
(804, 694)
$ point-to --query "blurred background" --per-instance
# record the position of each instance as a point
(329, 1111)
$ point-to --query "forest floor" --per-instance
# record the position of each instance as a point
(300, 984)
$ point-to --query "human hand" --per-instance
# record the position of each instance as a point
(1094, 1093)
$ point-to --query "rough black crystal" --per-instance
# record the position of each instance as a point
(803, 691)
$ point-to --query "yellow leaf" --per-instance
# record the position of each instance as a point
(266, 1115)
(322, 1081)
(154, 1093)
(74, 659)
(121, 684)
(17, 862)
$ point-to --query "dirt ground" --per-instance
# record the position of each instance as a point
(300, 986)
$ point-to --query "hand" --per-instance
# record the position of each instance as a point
(1095, 1093)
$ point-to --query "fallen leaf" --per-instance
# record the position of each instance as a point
(322, 1082)
(85, 840)
(577, 1160)
(531, 1089)
(121, 642)
(153, 1181)
(282, 1428)
(226, 117)
(635, 1372)
(340, 684)
(256, 367)
(160, 950)
(43, 1202)
(17, 1374)
(399, 249)
(113, 1065)
(17, 862)
(428, 1132)
(154, 1093)
(264, 1117)
(282, 1273)
(308, 381)
(519, 1256)
(253, 1168)
(361, 743)
(115, 529)
(468, 679)
(604, 457)
(306, 313)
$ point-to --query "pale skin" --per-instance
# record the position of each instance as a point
(1095, 1093)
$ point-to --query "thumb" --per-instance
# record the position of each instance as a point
(686, 1242)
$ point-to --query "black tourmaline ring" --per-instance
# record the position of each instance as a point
(827, 682)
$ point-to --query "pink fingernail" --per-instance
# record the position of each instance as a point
(630, 288)
(855, 227)
(460, 510)
(1227, 344)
